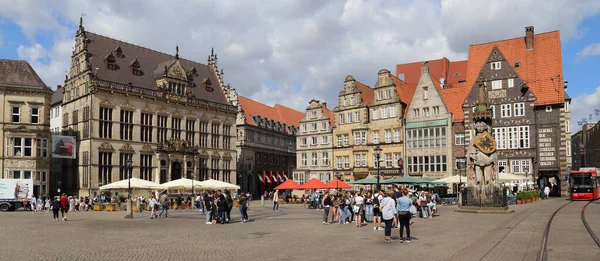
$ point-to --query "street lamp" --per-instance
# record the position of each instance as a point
(377, 151)
(193, 177)
(130, 168)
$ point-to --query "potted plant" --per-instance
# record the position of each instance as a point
(519, 198)
(98, 207)
(110, 207)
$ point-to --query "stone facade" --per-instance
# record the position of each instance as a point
(585, 144)
(266, 143)
(315, 144)
(26, 139)
(429, 139)
(172, 123)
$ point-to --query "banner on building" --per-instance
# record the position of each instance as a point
(63, 147)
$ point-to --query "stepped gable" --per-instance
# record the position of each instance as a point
(539, 66)
(453, 72)
(19, 73)
(150, 62)
(278, 113)
(454, 98)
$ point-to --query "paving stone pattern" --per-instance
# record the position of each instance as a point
(293, 233)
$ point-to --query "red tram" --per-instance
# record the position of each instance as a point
(584, 184)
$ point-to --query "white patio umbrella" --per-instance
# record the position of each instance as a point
(181, 183)
(135, 183)
(216, 184)
(453, 179)
(509, 176)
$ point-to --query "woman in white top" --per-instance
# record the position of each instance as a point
(359, 202)
(388, 209)
(153, 203)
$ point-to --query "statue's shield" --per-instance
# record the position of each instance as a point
(485, 142)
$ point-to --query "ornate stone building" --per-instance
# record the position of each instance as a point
(351, 118)
(25, 123)
(266, 143)
(530, 113)
(315, 144)
(167, 114)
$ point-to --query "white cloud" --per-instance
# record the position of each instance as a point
(582, 106)
(312, 44)
(590, 50)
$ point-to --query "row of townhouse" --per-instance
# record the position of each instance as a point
(421, 117)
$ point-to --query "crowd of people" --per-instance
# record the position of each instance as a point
(386, 210)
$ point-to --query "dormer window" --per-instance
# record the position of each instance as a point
(111, 62)
(207, 85)
(119, 52)
(496, 65)
(135, 67)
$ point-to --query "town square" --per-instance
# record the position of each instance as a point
(300, 130)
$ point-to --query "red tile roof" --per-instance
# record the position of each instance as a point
(406, 91)
(327, 112)
(366, 92)
(440, 68)
(453, 98)
(540, 68)
(278, 112)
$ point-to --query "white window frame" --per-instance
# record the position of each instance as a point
(350, 117)
(379, 95)
(459, 139)
(345, 101)
(17, 114)
(568, 148)
(524, 137)
(388, 136)
(325, 158)
(503, 163)
(356, 138)
(505, 110)
(346, 140)
(493, 107)
(356, 160)
(388, 160)
(352, 100)
(375, 137)
(515, 166)
(567, 106)
(37, 115)
(338, 162)
(375, 114)
(304, 160)
(393, 111)
(568, 126)
(397, 156)
(512, 135)
(416, 113)
(384, 112)
(313, 114)
(346, 162)
(364, 160)
(338, 139)
(425, 93)
(511, 83)
(426, 112)
(496, 65)
(436, 110)
(357, 116)
(396, 135)
(548, 108)
(325, 140)
(526, 166)
(497, 85)
(342, 118)
(519, 109)
(304, 128)
(314, 159)
(323, 125)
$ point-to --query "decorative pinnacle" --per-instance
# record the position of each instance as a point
(177, 51)
(212, 51)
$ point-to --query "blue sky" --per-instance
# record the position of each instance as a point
(291, 51)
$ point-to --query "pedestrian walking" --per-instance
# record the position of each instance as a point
(153, 204)
(276, 200)
(326, 206)
(546, 192)
(243, 201)
(229, 201)
(55, 208)
(33, 204)
(358, 208)
(208, 205)
(64, 206)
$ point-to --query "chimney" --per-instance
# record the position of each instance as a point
(529, 44)
(325, 104)
(425, 69)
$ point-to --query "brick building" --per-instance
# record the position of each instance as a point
(585, 146)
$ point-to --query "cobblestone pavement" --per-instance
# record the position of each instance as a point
(293, 233)
(568, 238)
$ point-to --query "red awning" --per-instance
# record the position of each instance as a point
(290, 184)
(336, 183)
(314, 184)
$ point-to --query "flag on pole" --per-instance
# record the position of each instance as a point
(579, 123)
(597, 112)
(264, 178)
(590, 116)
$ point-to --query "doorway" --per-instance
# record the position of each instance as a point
(175, 170)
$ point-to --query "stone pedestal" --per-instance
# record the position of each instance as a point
(484, 199)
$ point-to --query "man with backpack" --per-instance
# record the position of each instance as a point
(377, 210)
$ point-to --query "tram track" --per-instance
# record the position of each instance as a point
(543, 255)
